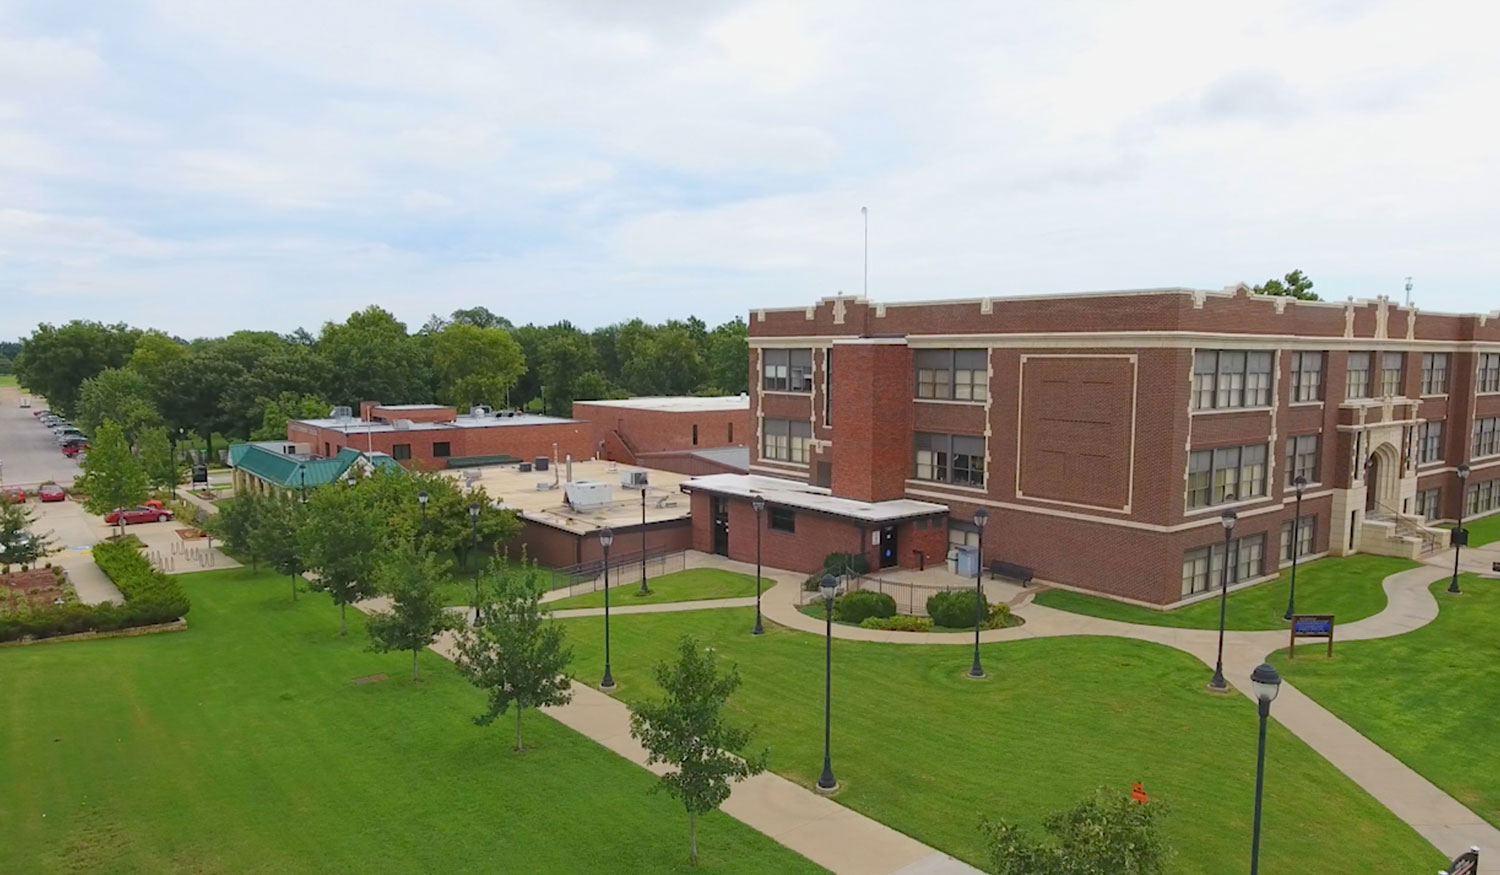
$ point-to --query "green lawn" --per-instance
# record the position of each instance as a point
(8, 380)
(679, 586)
(1485, 530)
(1347, 587)
(923, 749)
(241, 745)
(1429, 697)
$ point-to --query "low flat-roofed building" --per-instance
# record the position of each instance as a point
(672, 433)
(270, 467)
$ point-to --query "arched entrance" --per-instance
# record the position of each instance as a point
(1382, 481)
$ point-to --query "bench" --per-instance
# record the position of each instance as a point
(1019, 573)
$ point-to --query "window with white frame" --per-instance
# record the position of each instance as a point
(1357, 381)
(1486, 436)
(1427, 504)
(1306, 533)
(1489, 372)
(1302, 458)
(786, 370)
(1430, 442)
(952, 374)
(948, 458)
(785, 440)
(1434, 373)
(1202, 569)
(1307, 376)
(1226, 474)
(1230, 378)
(1483, 497)
(1392, 364)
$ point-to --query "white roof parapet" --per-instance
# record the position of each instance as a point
(792, 493)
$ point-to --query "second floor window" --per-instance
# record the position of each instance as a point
(1358, 383)
(1487, 436)
(1226, 474)
(1430, 443)
(786, 370)
(948, 458)
(1226, 378)
(1302, 458)
(1307, 376)
(952, 374)
(1391, 366)
(1489, 372)
(785, 440)
(1434, 373)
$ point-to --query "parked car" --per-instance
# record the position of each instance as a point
(51, 492)
(72, 448)
(41, 411)
(25, 401)
(141, 514)
(154, 502)
(68, 434)
(14, 494)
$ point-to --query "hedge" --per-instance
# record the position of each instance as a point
(955, 608)
(854, 607)
(899, 623)
(151, 597)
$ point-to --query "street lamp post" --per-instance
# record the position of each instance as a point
(1291, 600)
(645, 590)
(759, 503)
(981, 517)
(302, 476)
(1217, 682)
(1459, 535)
(829, 587)
(1266, 683)
(474, 547)
(606, 537)
(422, 500)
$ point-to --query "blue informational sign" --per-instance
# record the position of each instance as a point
(1310, 626)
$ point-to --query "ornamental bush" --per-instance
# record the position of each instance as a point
(898, 623)
(854, 607)
(955, 608)
(151, 597)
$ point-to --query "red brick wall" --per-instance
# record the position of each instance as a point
(872, 427)
(558, 548)
(521, 441)
(655, 431)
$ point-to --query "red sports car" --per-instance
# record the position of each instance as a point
(132, 515)
(51, 492)
(14, 495)
(71, 450)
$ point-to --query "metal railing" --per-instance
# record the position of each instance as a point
(1405, 527)
(623, 568)
(911, 598)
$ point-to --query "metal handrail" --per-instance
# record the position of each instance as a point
(1405, 526)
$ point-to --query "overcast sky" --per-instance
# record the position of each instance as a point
(207, 165)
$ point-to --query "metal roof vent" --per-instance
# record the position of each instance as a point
(401, 424)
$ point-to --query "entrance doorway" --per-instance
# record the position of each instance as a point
(888, 554)
(721, 525)
(1372, 480)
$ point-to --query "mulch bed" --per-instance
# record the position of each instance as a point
(190, 534)
(39, 586)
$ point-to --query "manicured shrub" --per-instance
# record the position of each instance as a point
(999, 616)
(898, 623)
(150, 598)
(854, 607)
(955, 608)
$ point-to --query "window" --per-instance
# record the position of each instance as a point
(1434, 373)
(1302, 458)
(1203, 568)
(1428, 503)
(1307, 529)
(783, 520)
(1483, 497)
(730, 437)
(441, 449)
(945, 458)
(786, 370)
(1307, 376)
(1226, 474)
(952, 374)
(828, 387)
(786, 440)
(1357, 384)
(1430, 442)
(1391, 366)
(1231, 378)
(1489, 372)
(695, 435)
(1486, 437)
(401, 452)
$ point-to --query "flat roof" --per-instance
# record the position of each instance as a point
(533, 495)
(791, 493)
(413, 406)
(360, 426)
(678, 403)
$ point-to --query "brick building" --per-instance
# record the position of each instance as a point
(437, 436)
(1106, 433)
(687, 434)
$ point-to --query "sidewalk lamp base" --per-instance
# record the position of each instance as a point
(826, 791)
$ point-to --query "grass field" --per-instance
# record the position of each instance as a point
(1485, 530)
(1429, 697)
(8, 380)
(1347, 587)
(242, 746)
(923, 749)
(678, 586)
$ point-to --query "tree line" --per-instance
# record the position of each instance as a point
(246, 384)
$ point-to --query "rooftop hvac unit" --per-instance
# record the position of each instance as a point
(401, 424)
(479, 410)
(633, 479)
(588, 494)
(341, 413)
(540, 463)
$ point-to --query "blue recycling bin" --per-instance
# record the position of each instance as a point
(967, 561)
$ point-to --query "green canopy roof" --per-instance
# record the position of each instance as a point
(289, 471)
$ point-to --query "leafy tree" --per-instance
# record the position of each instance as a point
(153, 354)
(370, 357)
(687, 729)
(235, 525)
(276, 411)
(417, 614)
(1105, 834)
(288, 371)
(1293, 285)
(18, 544)
(6, 366)
(446, 527)
(565, 357)
(339, 541)
(191, 389)
(164, 470)
(274, 538)
(727, 357)
(664, 361)
(112, 477)
(589, 386)
(54, 361)
(475, 365)
(516, 655)
(121, 395)
(480, 317)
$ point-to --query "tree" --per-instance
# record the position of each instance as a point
(164, 470)
(154, 353)
(589, 386)
(565, 357)
(479, 317)
(121, 395)
(190, 392)
(727, 357)
(370, 357)
(1293, 285)
(274, 538)
(339, 540)
(687, 729)
(112, 477)
(1105, 834)
(475, 365)
(516, 655)
(235, 525)
(276, 411)
(54, 361)
(417, 612)
(18, 544)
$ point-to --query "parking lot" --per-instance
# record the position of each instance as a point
(28, 451)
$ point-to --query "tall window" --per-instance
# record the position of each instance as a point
(1486, 436)
(1434, 373)
(1228, 378)
(828, 387)
(1358, 383)
(1307, 376)
(695, 435)
(952, 374)
(1226, 474)
(1484, 497)
(1430, 442)
(1489, 372)
(948, 458)
(1307, 530)
(1202, 568)
(1427, 504)
(1302, 458)
(786, 370)
(1391, 366)
(785, 440)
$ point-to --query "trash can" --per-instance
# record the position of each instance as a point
(967, 561)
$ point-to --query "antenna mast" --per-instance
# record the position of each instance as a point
(1408, 291)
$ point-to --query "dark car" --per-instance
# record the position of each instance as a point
(133, 515)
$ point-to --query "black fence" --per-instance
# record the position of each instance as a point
(911, 598)
(623, 568)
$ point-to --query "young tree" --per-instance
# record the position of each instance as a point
(287, 405)
(687, 729)
(339, 539)
(275, 537)
(235, 525)
(417, 613)
(163, 469)
(516, 655)
(18, 544)
(112, 477)
(1106, 833)
(1293, 285)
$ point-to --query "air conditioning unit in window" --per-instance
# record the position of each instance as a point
(633, 480)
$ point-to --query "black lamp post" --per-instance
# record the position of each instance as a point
(606, 537)
(829, 587)
(1291, 600)
(1266, 683)
(981, 517)
(645, 590)
(474, 547)
(302, 476)
(1459, 535)
(759, 503)
(422, 500)
(1217, 682)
